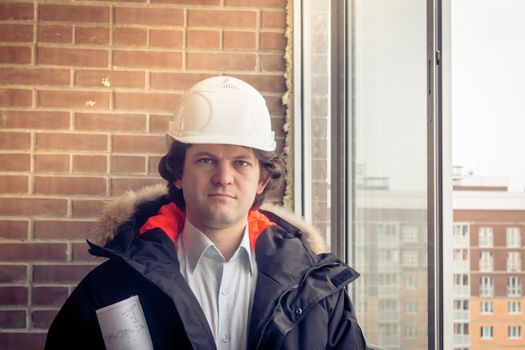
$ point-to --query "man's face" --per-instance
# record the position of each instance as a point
(219, 183)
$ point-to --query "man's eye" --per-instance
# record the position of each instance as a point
(242, 163)
(205, 161)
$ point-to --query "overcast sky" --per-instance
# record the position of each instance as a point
(488, 88)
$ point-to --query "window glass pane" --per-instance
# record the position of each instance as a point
(388, 108)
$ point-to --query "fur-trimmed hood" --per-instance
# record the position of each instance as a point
(122, 209)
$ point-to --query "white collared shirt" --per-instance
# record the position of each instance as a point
(224, 289)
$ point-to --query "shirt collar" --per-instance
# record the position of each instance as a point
(196, 244)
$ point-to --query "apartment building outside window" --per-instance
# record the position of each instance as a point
(410, 332)
(461, 235)
(487, 332)
(514, 307)
(513, 262)
(513, 237)
(461, 309)
(514, 332)
(513, 286)
(486, 262)
(410, 258)
(409, 233)
(461, 284)
(461, 333)
(411, 307)
(486, 307)
(410, 282)
(486, 287)
(486, 237)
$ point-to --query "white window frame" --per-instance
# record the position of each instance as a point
(486, 332)
(514, 307)
(486, 307)
(513, 261)
(486, 237)
(514, 286)
(486, 261)
(514, 332)
(486, 287)
(513, 235)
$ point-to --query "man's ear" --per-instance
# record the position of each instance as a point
(263, 182)
(178, 183)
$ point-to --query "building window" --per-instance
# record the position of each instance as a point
(514, 307)
(461, 308)
(513, 237)
(486, 262)
(513, 262)
(410, 282)
(410, 258)
(486, 237)
(461, 235)
(514, 332)
(486, 287)
(409, 233)
(513, 286)
(460, 255)
(486, 307)
(487, 332)
(410, 332)
(411, 307)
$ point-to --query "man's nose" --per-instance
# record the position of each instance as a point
(223, 174)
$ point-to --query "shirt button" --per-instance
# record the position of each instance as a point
(225, 291)
(226, 338)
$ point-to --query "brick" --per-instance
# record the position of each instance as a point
(42, 319)
(221, 19)
(34, 76)
(60, 273)
(87, 208)
(110, 78)
(17, 341)
(70, 185)
(60, 34)
(272, 63)
(13, 295)
(12, 319)
(73, 13)
(173, 39)
(32, 206)
(16, 32)
(139, 144)
(275, 105)
(149, 16)
(110, 122)
(258, 4)
(61, 229)
(120, 186)
(153, 165)
(90, 164)
(35, 120)
(15, 54)
(13, 274)
(272, 41)
(73, 57)
(159, 123)
(80, 253)
(130, 36)
(128, 165)
(14, 184)
(51, 162)
(73, 99)
(33, 251)
(15, 98)
(175, 81)
(145, 101)
(188, 2)
(15, 162)
(92, 35)
(220, 61)
(13, 230)
(273, 19)
(239, 40)
(15, 141)
(147, 59)
(264, 83)
(16, 11)
(69, 142)
(204, 39)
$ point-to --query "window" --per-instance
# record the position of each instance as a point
(410, 332)
(461, 285)
(461, 333)
(486, 307)
(514, 307)
(461, 235)
(487, 332)
(461, 310)
(513, 286)
(486, 262)
(514, 332)
(410, 282)
(411, 307)
(410, 258)
(513, 237)
(460, 255)
(486, 287)
(513, 262)
(409, 233)
(486, 237)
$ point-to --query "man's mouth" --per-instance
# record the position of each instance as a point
(222, 195)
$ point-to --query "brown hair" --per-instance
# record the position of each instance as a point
(172, 165)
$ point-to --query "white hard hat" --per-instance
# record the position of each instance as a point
(223, 110)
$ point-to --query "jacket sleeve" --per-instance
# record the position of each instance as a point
(343, 330)
(76, 325)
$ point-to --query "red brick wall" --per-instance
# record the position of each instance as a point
(86, 92)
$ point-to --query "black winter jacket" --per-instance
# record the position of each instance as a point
(300, 300)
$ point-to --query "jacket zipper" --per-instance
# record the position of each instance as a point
(305, 276)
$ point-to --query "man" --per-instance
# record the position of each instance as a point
(210, 268)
